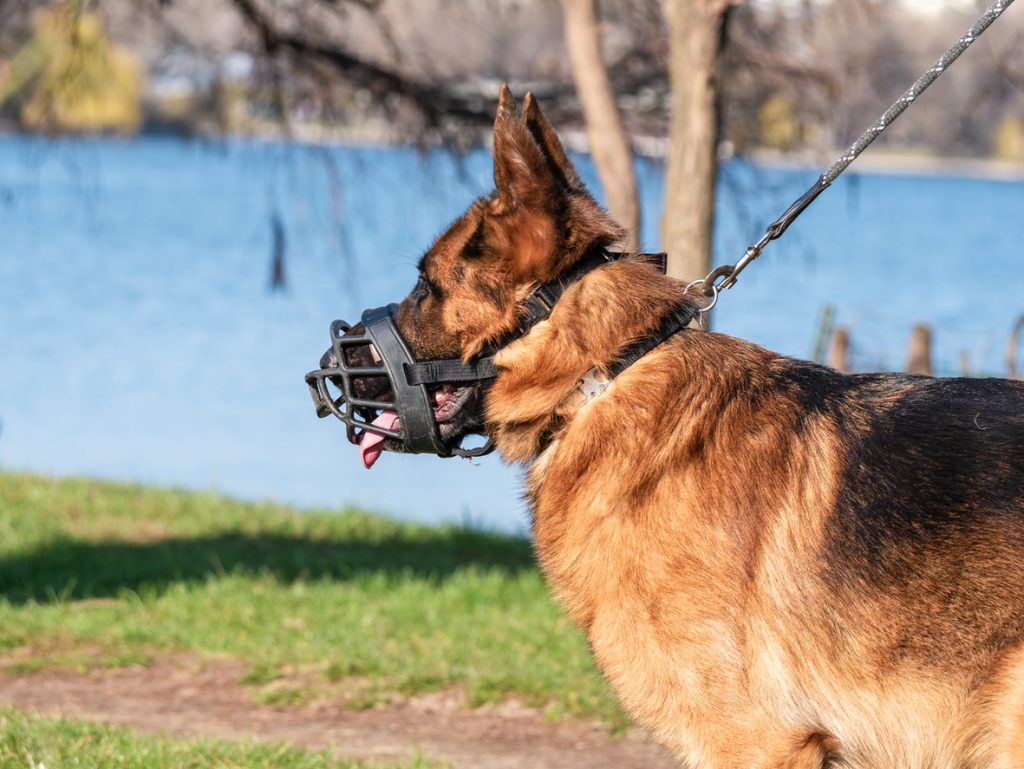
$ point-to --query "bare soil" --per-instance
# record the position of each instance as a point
(183, 696)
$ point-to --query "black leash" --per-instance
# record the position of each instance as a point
(725, 276)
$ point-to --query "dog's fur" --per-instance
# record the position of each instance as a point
(776, 565)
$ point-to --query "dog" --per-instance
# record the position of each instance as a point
(776, 565)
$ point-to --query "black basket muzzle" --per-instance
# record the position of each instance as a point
(333, 389)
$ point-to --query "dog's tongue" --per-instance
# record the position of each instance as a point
(370, 446)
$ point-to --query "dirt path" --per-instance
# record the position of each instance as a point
(183, 697)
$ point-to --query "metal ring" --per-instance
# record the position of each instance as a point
(714, 291)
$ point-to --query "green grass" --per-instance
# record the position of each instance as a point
(36, 742)
(342, 604)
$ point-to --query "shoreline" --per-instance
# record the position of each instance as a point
(895, 163)
(879, 162)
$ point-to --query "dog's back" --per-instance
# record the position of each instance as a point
(931, 508)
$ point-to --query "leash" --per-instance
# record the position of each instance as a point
(725, 276)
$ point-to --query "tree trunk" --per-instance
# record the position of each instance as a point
(697, 34)
(606, 135)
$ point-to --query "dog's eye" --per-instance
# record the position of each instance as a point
(425, 287)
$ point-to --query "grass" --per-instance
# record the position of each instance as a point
(341, 604)
(37, 742)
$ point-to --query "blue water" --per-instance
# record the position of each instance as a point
(138, 338)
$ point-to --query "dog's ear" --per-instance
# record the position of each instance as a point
(529, 194)
(522, 175)
(549, 143)
(542, 217)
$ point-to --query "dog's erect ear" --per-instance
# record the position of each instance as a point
(542, 218)
(549, 143)
(529, 193)
(522, 175)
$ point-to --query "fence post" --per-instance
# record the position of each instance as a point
(839, 350)
(919, 359)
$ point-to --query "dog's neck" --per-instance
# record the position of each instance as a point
(534, 396)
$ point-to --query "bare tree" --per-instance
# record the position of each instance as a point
(697, 33)
(606, 135)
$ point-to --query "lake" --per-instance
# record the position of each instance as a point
(139, 338)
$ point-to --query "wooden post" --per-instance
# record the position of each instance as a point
(839, 350)
(919, 359)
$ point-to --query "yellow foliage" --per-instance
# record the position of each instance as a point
(1009, 138)
(777, 126)
(85, 83)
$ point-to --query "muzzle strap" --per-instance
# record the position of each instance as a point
(431, 372)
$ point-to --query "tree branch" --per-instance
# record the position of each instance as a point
(433, 102)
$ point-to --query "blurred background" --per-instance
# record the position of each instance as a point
(192, 190)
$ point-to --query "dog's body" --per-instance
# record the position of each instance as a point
(776, 565)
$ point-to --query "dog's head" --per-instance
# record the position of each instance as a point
(538, 221)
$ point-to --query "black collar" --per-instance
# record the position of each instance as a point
(677, 319)
(543, 298)
(537, 307)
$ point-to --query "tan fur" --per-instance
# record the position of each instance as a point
(682, 517)
(694, 580)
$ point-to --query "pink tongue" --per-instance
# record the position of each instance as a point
(370, 443)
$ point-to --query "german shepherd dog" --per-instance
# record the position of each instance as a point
(776, 565)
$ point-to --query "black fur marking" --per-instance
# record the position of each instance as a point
(474, 247)
(931, 508)
(943, 453)
(492, 292)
